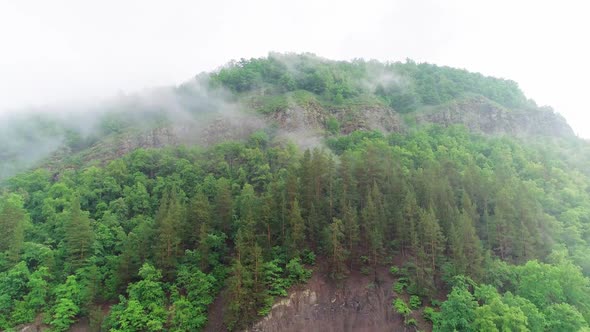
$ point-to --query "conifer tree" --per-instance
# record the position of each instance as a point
(406, 230)
(78, 235)
(12, 220)
(432, 238)
(336, 250)
(168, 240)
(198, 218)
(372, 216)
(297, 234)
(351, 231)
(223, 206)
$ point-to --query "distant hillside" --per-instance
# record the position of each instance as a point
(304, 96)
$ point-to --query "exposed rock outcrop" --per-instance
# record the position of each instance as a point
(481, 115)
(357, 303)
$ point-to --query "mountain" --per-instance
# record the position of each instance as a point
(302, 95)
(293, 192)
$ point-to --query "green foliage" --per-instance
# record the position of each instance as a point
(410, 322)
(431, 315)
(333, 125)
(400, 285)
(145, 308)
(63, 314)
(401, 307)
(270, 104)
(415, 302)
(67, 305)
(186, 317)
(308, 257)
(394, 270)
(297, 272)
(78, 236)
(535, 318)
(404, 86)
(458, 311)
(190, 309)
(564, 317)
(273, 277)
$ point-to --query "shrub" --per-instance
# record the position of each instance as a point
(332, 125)
(415, 302)
(268, 303)
(436, 303)
(273, 277)
(400, 285)
(308, 257)
(410, 322)
(401, 307)
(297, 273)
(394, 270)
(365, 270)
(431, 315)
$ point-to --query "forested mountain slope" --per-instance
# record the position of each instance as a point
(241, 183)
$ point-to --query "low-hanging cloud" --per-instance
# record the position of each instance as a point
(193, 113)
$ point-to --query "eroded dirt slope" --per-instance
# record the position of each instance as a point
(358, 303)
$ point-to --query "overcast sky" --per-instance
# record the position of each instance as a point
(59, 51)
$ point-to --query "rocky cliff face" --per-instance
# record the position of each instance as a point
(205, 133)
(481, 115)
(357, 303)
(305, 126)
(314, 119)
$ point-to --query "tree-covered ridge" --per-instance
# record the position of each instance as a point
(404, 86)
(282, 90)
(161, 232)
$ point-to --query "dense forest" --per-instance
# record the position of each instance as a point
(493, 231)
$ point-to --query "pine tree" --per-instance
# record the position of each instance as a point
(199, 217)
(351, 231)
(432, 238)
(223, 206)
(297, 234)
(372, 216)
(266, 217)
(12, 220)
(204, 248)
(472, 249)
(78, 236)
(238, 286)
(336, 251)
(168, 221)
(457, 252)
(348, 184)
(314, 225)
(406, 230)
(306, 189)
(502, 226)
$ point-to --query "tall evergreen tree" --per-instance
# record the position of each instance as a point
(297, 233)
(223, 206)
(372, 216)
(168, 220)
(197, 219)
(351, 231)
(336, 250)
(12, 220)
(78, 235)
(431, 237)
(406, 230)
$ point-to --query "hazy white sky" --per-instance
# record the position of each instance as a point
(56, 51)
